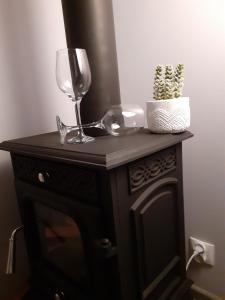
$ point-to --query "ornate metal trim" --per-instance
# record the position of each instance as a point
(151, 168)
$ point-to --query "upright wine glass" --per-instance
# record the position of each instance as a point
(73, 77)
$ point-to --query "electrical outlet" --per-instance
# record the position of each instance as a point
(208, 257)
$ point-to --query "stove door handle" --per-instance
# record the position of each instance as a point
(10, 268)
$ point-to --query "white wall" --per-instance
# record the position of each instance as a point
(191, 32)
(30, 33)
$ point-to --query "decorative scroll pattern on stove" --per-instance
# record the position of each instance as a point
(148, 169)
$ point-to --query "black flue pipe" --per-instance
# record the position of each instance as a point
(89, 24)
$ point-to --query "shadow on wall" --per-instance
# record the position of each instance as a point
(30, 43)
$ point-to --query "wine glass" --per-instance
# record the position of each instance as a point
(118, 120)
(73, 77)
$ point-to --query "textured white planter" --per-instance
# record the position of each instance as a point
(168, 116)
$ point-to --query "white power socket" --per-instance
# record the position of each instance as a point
(208, 257)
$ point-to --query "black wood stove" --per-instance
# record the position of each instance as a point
(103, 220)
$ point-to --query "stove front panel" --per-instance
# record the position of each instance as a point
(65, 239)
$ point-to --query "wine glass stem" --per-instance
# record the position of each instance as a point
(77, 112)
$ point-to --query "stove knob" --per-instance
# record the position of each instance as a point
(43, 177)
(59, 296)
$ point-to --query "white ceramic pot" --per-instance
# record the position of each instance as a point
(168, 116)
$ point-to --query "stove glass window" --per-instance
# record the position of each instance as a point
(61, 242)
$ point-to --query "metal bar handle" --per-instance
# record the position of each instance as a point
(10, 267)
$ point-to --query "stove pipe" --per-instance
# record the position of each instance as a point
(89, 24)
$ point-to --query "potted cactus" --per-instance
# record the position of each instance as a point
(169, 112)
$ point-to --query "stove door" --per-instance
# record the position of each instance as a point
(64, 236)
(61, 241)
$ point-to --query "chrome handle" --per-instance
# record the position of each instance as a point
(42, 177)
(59, 297)
(10, 267)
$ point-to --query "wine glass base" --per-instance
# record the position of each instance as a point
(80, 139)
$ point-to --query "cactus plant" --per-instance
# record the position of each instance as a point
(179, 80)
(159, 82)
(168, 83)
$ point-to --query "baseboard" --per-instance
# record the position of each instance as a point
(202, 294)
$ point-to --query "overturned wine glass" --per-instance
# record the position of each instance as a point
(118, 120)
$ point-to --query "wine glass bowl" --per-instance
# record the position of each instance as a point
(63, 73)
(122, 120)
(73, 77)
